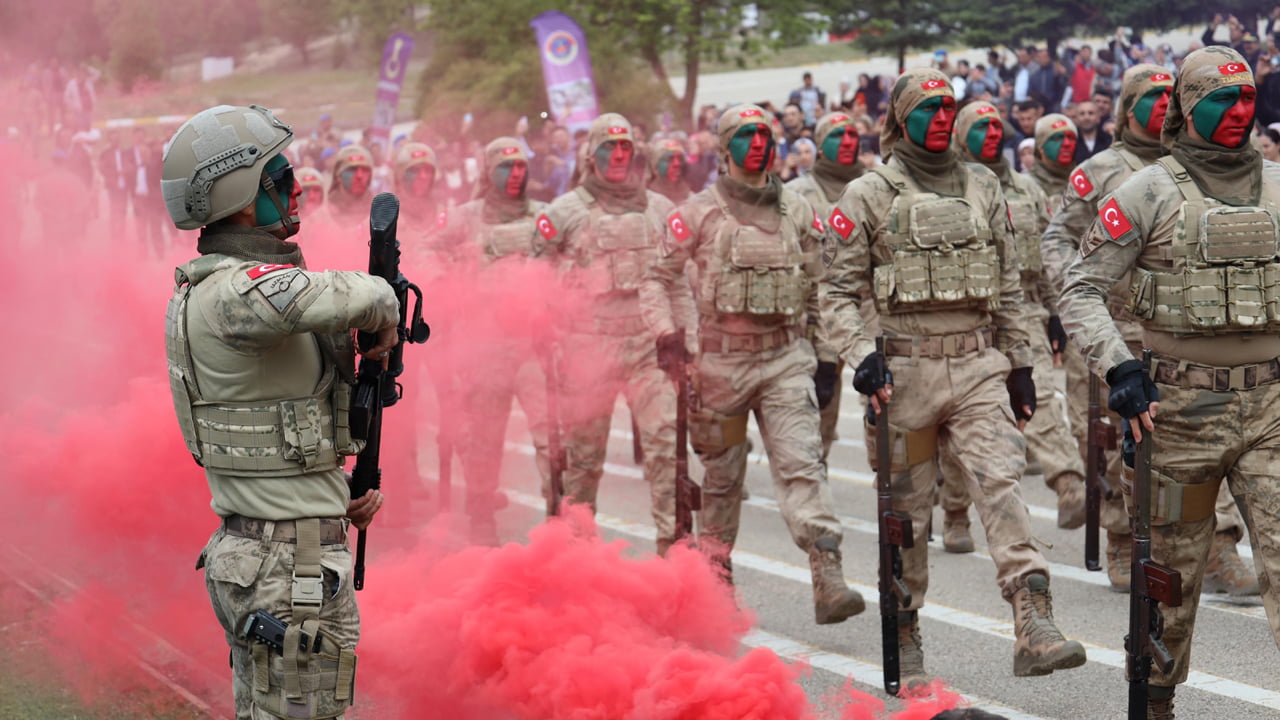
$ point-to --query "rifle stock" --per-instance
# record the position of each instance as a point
(895, 534)
(1101, 438)
(1151, 585)
(688, 494)
(557, 458)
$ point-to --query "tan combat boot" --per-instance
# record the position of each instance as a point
(1070, 489)
(1119, 560)
(833, 601)
(1040, 647)
(955, 532)
(911, 651)
(1225, 571)
(1159, 703)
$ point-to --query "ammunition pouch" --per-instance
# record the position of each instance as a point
(908, 447)
(513, 238)
(710, 431)
(756, 272)
(1172, 501)
(1025, 217)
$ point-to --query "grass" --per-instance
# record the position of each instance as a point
(783, 58)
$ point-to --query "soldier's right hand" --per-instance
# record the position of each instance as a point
(1133, 395)
(872, 378)
(671, 353)
(388, 338)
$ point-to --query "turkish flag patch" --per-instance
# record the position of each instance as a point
(1081, 183)
(1160, 77)
(546, 228)
(841, 223)
(256, 272)
(933, 84)
(839, 119)
(510, 150)
(617, 130)
(817, 222)
(1059, 124)
(678, 228)
(1113, 219)
(985, 110)
(1232, 68)
(749, 112)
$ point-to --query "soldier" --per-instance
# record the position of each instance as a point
(836, 166)
(1055, 153)
(755, 245)
(414, 180)
(606, 233)
(255, 341)
(978, 138)
(349, 195)
(929, 238)
(499, 226)
(312, 184)
(666, 170)
(1144, 98)
(1196, 234)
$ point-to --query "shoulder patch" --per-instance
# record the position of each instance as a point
(817, 222)
(546, 228)
(841, 223)
(1113, 219)
(259, 270)
(282, 289)
(1081, 183)
(678, 227)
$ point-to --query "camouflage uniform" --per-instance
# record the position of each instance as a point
(902, 241)
(260, 365)
(756, 253)
(1048, 438)
(1212, 328)
(606, 245)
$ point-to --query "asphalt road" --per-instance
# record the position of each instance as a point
(966, 626)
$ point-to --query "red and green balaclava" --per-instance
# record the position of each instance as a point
(1217, 89)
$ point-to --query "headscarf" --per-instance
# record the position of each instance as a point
(1231, 175)
(1052, 175)
(631, 195)
(759, 206)
(801, 143)
(938, 172)
(1138, 81)
(969, 116)
(831, 175)
(660, 149)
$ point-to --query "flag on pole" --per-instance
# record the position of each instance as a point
(395, 65)
(566, 69)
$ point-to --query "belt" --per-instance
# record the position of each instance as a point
(632, 325)
(333, 531)
(1169, 371)
(714, 342)
(939, 346)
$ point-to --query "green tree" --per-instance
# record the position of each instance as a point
(1015, 24)
(298, 22)
(374, 20)
(897, 26)
(133, 30)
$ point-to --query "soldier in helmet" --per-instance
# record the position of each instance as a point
(256, 341)
(1056, 138)
(312, 184)
(1196, 234)
(667, 166)
(978, 138)
(349, 195)
(929, 238)
(755, 246)
(414, 179)
(606, 233)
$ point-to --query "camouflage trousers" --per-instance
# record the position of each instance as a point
(965, 399)
(777, 385)
(1047, 435)
(594, 369)
(508, 373)
(243, 575)
(1200, 437)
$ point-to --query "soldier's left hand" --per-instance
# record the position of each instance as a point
(388, 338)
(825, 380)
(1057, 339)
(361, 510)
(1022, 395)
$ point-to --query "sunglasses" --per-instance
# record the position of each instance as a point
(283, 180)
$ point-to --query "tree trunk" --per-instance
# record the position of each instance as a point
(902, 58)
(692, 61)
(651, 56)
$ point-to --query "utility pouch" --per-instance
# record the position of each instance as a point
(710, 431)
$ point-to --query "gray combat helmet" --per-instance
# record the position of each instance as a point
(213, 164)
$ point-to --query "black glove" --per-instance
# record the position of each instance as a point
(1131, 390)
(872, 374)
(824, 383)
(1022, 391)
(1057, 335)
(671, 353)
(1129, 447)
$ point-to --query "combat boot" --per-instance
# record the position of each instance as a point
(911, 651)
(1040, 647)
(1070, 489)
(1225, 571)
(1119, 560)
(1159, 703)
(833, 601)
(955, 532)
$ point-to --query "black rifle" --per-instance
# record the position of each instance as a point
(557, 458)
(688, 494)
(895, 536)
(1150, 585)
(637, 451)
(377, 388)
(1101, 439)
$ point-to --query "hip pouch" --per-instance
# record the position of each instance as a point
(908, 447)
(710, 431)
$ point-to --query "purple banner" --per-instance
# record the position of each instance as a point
(395, 65)
(566, 69)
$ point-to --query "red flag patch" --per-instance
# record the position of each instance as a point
(510, 150)
(1059, 124)
(1081, 183)
(1232, 68)
(839, 119)
(749, 112)
(678, 228)
(933, 84)
(256, 272)
(985, 110)
(841, 223)
(546, 228)
(1160, 77)
(817, 222)
(1113, 219)
(617, 130)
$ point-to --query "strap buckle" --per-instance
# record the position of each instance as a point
(308, 591)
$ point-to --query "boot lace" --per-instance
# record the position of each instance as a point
(1037, 608)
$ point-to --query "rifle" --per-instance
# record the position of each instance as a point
(688, 494)
(377, 388)
(1101, 438)
(1150, 585)
(637, 451)
(895, 535)
(557, 458)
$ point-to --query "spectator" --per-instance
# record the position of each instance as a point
(1022, 75)
(999, 71)
(118, 166)
(1250, 50)
(1025, 115)
(1105, 102)
(810, 98)
(80, 99)
(981, 86)
(1027, 154)
(800, 161)
(1092, 139)
(1267, 105)
(1049, 81)
(1164, 58)
(561, 161)
(960, 81)
(940, 62)
(1080, 72)
(1269, 142)
(792, 128)
(1110, 75)
(872, 90)
(702, 160)
(1235, 33)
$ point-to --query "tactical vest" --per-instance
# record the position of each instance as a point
(942, 253)
(1225, 278)
(756, 272)
(253, 439)
(1024, 213)
(622, 245)
(510, 238)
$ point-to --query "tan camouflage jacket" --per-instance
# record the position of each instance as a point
(1021, 185)
(851, 262)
